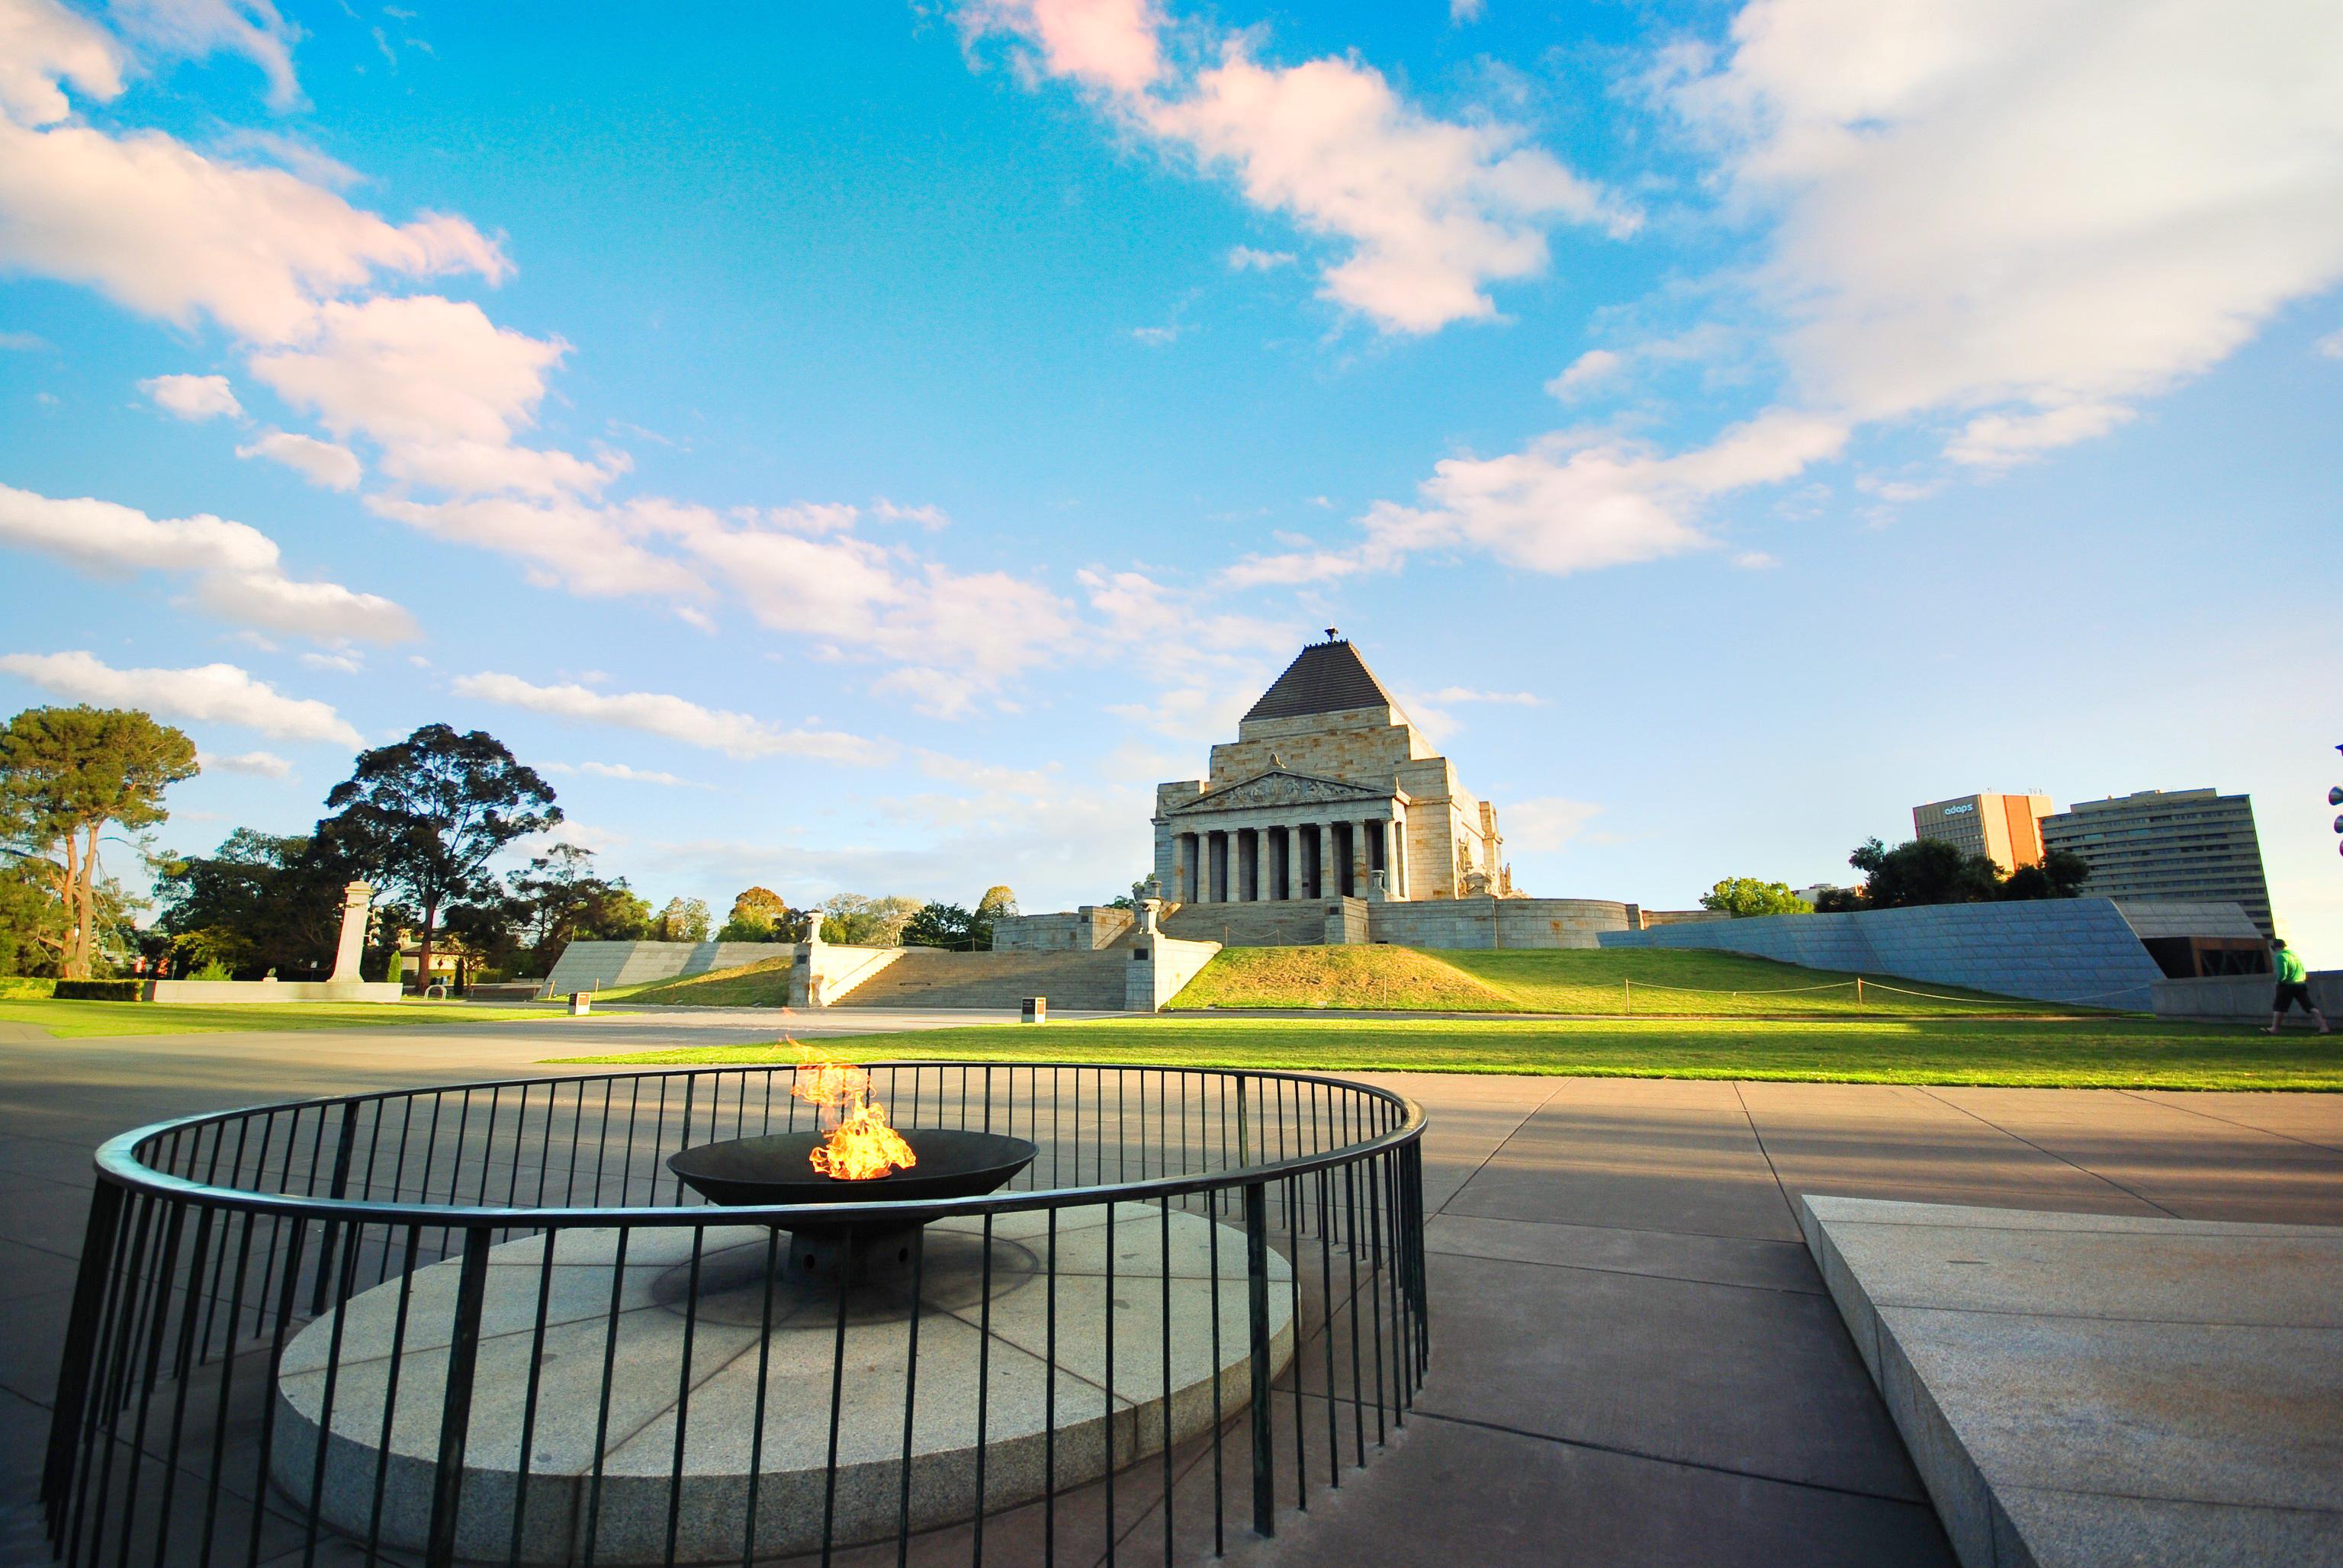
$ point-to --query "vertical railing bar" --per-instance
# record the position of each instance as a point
(911, 1366)
(764, 1369)
(179, 1399)
(838, 1402)
(456, 1408)
(1326, 1298)
(1220, 1503)
(156, 1319)
(984, 1386)
(330, 1235)
(551, 1239)
(347, 1273)
(1256, 1222)
(92, 1277)
(122, 1305)
(227, 1379)
(683, 1378)
(1164, 1210)
(276, 1370)
(390, 1387)
(609, 1369)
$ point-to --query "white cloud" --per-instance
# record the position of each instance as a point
(586, 548)
(327, 612)
(2036, 213)
(216, 693)
(1108, 43)
(256, 764)
(413, 371)
(1756, 561)
(2003, 440)
(1594, 364)
(1431, 210)
(2331, 345)
(237, 571)
(43, 43)
(632, 775)
(341, 662)
(929, 518)
(1155, 336)
(674, 718)
(195, 29)
(1245, 259)
(167, 232)
(1570, 501)
(322, 462)
(193, 396)
(1461, 12)
(1545, 822)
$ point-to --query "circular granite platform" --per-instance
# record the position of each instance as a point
(649, 1392)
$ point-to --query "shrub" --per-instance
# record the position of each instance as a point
(25, 988)
(100, 990)
(214, 971)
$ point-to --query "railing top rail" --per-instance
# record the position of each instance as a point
(120, 1160)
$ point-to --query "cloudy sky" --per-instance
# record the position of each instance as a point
(864, 446)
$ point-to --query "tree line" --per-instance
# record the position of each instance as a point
(1920, 871)
(424, 821)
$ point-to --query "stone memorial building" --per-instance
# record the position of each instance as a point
(1327, 791)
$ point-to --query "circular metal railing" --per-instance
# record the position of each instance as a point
(487, 1322)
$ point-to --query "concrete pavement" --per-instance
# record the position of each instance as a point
(1635, 1360)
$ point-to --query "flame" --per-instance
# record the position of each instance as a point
(861, 1145)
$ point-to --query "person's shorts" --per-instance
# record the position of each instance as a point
(2289, 993)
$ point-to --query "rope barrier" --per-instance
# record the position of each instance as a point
(1859, 986)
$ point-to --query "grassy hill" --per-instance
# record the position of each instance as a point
(1608, 983)
(2098, 1053)
(765, 983)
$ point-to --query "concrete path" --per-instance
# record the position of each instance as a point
(1634, 1361)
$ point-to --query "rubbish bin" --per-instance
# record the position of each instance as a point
(1036, 1010)
(581, 1002)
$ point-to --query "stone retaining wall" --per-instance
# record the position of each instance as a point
(1490, 922)
(2078, 951)
(604, 966)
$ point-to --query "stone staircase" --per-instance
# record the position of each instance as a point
(934, 978)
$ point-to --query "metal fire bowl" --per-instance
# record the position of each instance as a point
(778, 1169)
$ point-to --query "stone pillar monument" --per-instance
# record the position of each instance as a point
(358, 898)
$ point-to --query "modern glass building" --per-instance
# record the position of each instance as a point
(2168, 844)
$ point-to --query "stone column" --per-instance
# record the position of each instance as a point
(1260, 863)
(1398, 854)
(358, 897)
(1329, 886)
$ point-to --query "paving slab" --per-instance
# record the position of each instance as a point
(1751, 1381)
(2086, 1390)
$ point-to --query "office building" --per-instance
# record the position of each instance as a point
(2004, 829)
(2168, 844)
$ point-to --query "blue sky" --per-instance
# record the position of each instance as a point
(864, 447)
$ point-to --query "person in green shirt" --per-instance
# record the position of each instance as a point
(2293, 987)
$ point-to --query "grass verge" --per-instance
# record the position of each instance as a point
(87, 1020)
(1609, 981)
(2108, 1053)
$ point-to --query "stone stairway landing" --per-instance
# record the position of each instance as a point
(934, 978)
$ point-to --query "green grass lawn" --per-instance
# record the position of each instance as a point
(765, 983)
(1608, 981)
(83, 1019)
(2112, 1052)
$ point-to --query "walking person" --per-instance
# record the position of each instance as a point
(2293, 985)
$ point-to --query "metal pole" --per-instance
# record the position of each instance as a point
(1264, 1478)
(456, 1410)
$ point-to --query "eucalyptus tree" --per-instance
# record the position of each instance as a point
(425, 814)
(64, 774)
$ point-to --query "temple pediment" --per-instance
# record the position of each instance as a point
(1280, 786)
